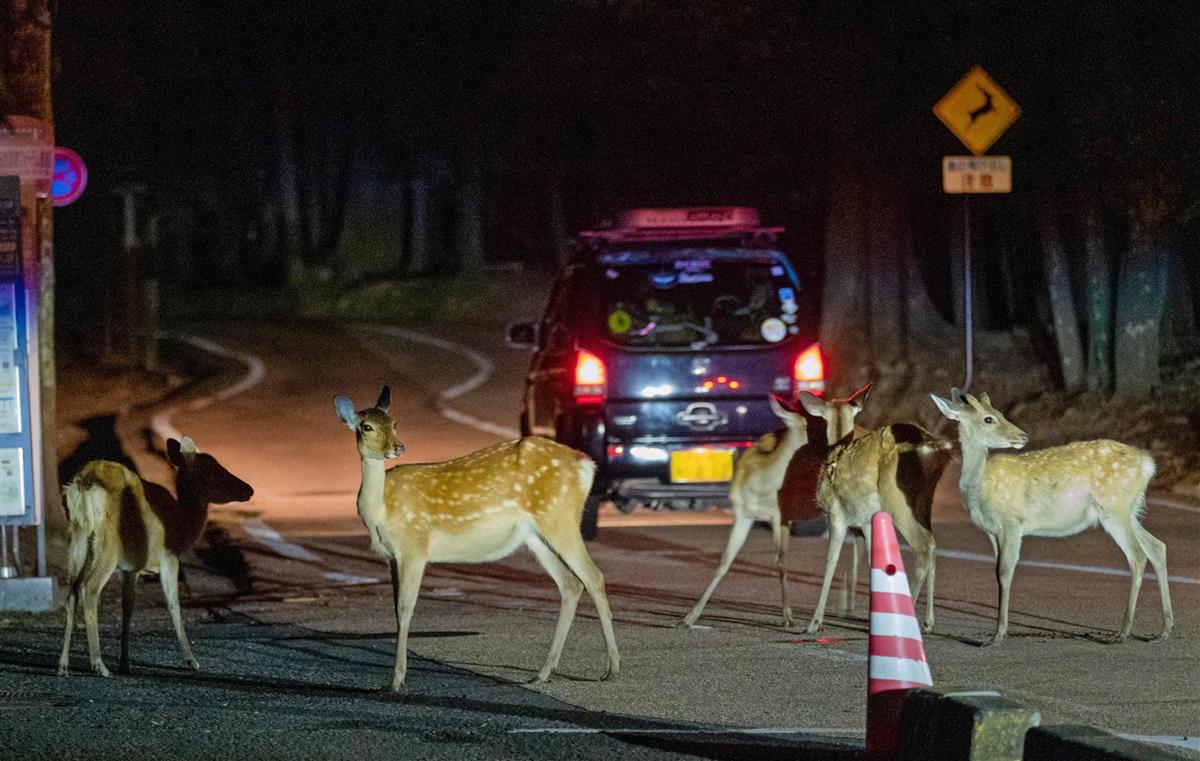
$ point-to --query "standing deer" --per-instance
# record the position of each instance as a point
(754, 492)
(117, 520)
(1058, 491)
(476, 509)
(895, 469)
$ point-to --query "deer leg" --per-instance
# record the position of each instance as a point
(922, 542)
(128, 600)
(737, 537)
(1009, 551)
(1123, 536)
(92, 587)
(781, 548)
(408, 584)
(168, 577)
(570, 588)
(64, 660)
(574, 554)
(837, 535)
(1157, 552)
(850, 579)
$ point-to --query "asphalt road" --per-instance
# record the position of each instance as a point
(290, 613)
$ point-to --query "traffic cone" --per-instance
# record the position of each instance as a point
(897, 653)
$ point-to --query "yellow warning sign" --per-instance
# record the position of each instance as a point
(977, 111)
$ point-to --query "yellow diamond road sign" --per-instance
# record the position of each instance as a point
(977, 111)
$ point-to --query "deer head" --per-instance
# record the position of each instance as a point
(838, 414)
(374, 427)
(795, 422)
(208, 480)
(979, 422)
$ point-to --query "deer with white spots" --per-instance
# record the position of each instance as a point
(758, 477)
(477, 509)
(1058, 491)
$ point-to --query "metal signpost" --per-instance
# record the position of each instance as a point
(978, 112)
(26, 171)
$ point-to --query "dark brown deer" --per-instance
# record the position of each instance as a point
(117, 520)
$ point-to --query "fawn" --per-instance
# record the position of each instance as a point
(755, 493)
(476, 509)
(117, 520)
(1058, 491)
(896, 469)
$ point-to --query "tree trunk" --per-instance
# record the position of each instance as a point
(843, 325)
(291, 237)
(886, 230)
(27, 81)
(1099, 300)
(419, 258)
(1140, 297)
(1062, 303)
(469, 232)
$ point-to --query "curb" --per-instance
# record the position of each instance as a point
(1075, 742)
(953, 724)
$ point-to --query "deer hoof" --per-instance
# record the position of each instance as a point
(63, 670)
(101, 669)
(813, 627)
(193, 664)
(993, 641)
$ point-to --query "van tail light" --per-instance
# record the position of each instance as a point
(809, 372)
(590, 378)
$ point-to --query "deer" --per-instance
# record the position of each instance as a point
(477, 508)
(117, 520)
(755, 490)
(1059, 491)
(895, 469)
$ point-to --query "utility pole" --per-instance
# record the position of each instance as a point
(26, 78)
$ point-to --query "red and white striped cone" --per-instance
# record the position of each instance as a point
(897, 653)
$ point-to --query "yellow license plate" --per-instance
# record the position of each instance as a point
(701, 465)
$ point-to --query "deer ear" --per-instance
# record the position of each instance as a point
(345, 411)
(385, 399)
(956, 396)
(187, 446)
(813, 404)
(985, 399)
(860, 397)
(948, 408)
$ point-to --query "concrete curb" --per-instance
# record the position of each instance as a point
(1073, 742)
(953, 724)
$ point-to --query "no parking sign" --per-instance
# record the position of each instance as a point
(70, 176)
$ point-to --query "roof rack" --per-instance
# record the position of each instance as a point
(697, 223)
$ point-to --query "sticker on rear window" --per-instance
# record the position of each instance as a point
(773, 329)
(619, 322)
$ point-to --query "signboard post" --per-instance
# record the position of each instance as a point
(978, 112)
(26, 171)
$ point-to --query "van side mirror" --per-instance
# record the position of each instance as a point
(521, 335)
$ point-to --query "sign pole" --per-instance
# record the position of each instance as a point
(968, 296)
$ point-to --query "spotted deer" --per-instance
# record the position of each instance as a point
(895, 469)
(117, 520)
(755, 490)
(1059, 491)
(476, 509)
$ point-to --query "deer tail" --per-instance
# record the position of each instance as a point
(85, 506)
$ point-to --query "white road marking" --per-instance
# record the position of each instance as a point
(959, 555)
(265, 535)
(349, 579)
(255, 371)
(483, 370)
(1191, 743)
(849, 732)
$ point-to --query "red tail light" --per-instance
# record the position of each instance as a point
(590, 378)
(809, 371)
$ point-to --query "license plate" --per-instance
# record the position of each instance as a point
(701, 465)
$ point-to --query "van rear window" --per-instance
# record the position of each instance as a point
(696, 298)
